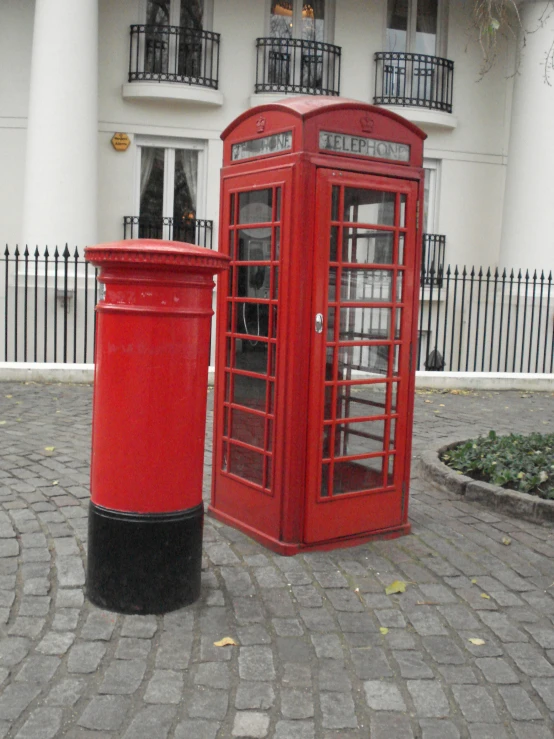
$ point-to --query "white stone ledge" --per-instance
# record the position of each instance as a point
(176, 91)
(424, 117)
(486, 381)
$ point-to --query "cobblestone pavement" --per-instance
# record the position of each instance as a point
(312, 662)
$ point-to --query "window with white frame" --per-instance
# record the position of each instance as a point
(170, 188)
(413, 26)
(298, 19)
(431, 169)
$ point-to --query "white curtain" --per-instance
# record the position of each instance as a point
(189, 162)
(147, 156)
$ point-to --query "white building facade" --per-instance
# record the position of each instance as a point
(171, 74)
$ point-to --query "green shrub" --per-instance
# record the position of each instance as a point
(524, 463)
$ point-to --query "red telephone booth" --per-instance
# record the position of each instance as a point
(317, 323)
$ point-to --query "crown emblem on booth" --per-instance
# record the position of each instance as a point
(260, 124)
(367, 124)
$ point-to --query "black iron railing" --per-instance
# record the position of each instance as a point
(432, 257)
(193, 231)
(296, 65)
(413, 79)
(174, 54)
(48, 306)
(486, 321)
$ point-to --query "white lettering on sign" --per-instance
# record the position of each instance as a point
(344, 143)
(260, 147)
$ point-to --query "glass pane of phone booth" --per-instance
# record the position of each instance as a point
(364, 304)
(251, 335)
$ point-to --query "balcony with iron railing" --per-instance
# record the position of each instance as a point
(194, 231)
(414, 81)
(183, 61)
(290, 65)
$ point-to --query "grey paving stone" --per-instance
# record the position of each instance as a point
(287, 626)
(294, 730)
(210, 653)
(99, 626)
(69, 598)
(84, 657)
(487, 731)
(388, 725)
(213, 675)
(165, 686)
(391, 618)
(142, 627)
(426, 622)
(8, 548)
(438, 729)
(500, 625)
(327, 647)
(152, 722)
(66, 692)
(475, 703)
(338, 711)
(251, 724)
(332, 676)
(12, 650)
(256, 663)
(429, 698)
(296, 704)
(70, 571)
(131, 648)
(36, 586)
(15, 698)
(43, 723)
(254, 696)
(66, 619)
(371, 663)
(105, 713)
(123, 677)
(55, 642)
(412, 665)
(518, 703)
(208, 703)
(27, 626)
(38, 669)
(293, 649)
(545, 688)
(529, 660)
(174, 650)
(532, 730)
(297, 676)
(383, 695)
(497, 670)
(197, 730)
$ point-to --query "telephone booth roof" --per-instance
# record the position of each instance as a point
(323, 125)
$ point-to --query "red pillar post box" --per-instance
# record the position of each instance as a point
(149, 414)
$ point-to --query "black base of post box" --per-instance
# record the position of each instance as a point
(141, 563)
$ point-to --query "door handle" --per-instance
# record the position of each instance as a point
(318, 323)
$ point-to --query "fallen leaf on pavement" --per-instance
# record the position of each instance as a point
(384, 630)
(398, 586)
(227, 641)
(477, 642)
(484, 595)
(506, 540)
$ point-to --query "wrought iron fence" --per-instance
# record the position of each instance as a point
(297, 65)
(420, 80)
(194, 231)
(174, 54)
(48, 306)
(486, 321)
(470, 320)
(432, 257)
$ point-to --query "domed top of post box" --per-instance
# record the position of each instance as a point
(158, 254)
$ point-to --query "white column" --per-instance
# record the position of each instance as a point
(528, 222)
(61, 167)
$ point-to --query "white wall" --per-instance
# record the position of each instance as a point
(473, 155)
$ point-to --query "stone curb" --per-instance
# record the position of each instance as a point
(512, 502)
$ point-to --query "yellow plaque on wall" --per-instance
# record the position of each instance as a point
(120, 141)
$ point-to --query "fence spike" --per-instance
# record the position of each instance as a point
(56, 253)
(542, 275)
(16, 252)
(472, 273)
(519, 275)
(480, 273)
(456, 273)
(464, 271)
(66, 253)
(76, 255)
(46, 252)
(488, 275)
(6, 251)
(512, 274)
(26, 252)
(37, 253)
(550, 276)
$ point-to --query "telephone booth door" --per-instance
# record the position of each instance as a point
(360, 354)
